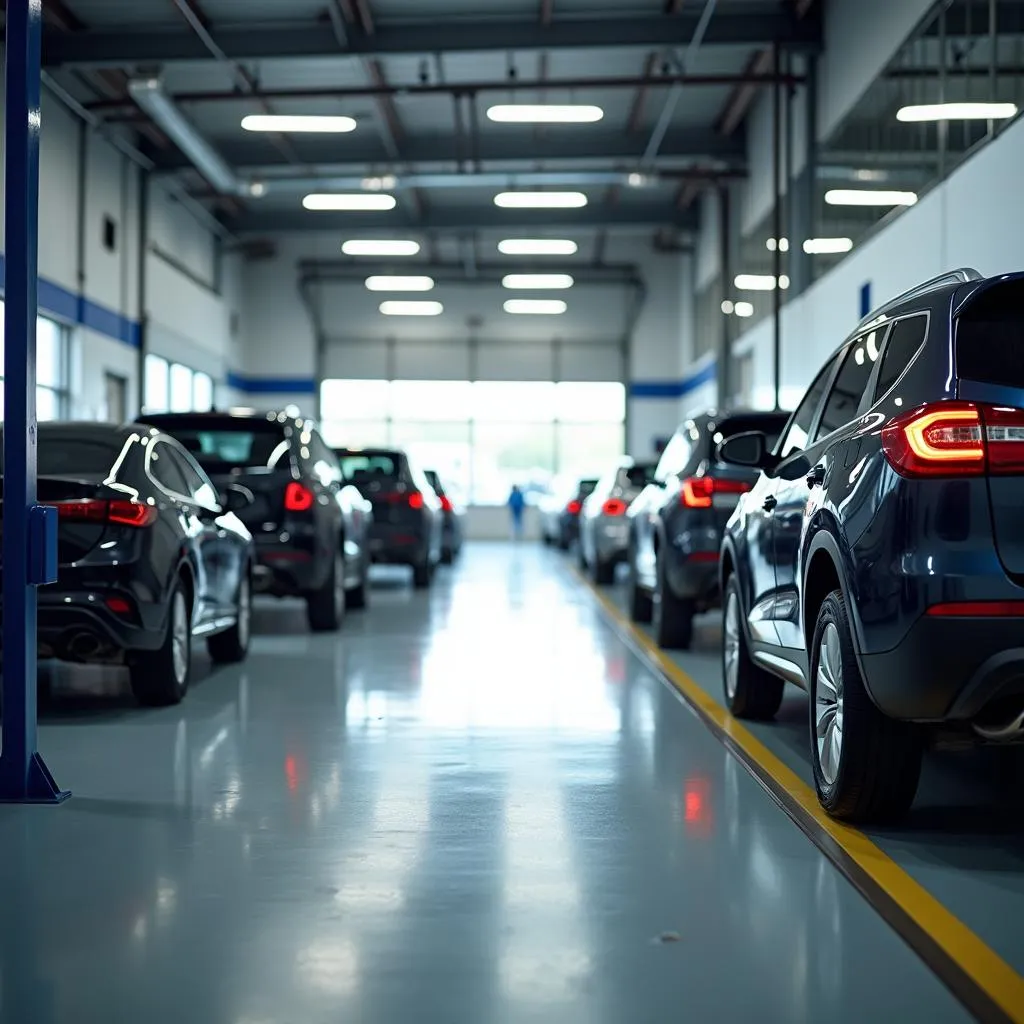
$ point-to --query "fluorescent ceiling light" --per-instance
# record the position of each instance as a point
(379, 247)
(817, 246)
(540, 200)
(744, 309)
(534, 306)
(956, 112)
(297, 123)
(759, 282)
(537, 281)
(545, 113)
(348, 201)
(783, 245)
(869, 197)
(537, 247)
(728, 307)
(395, 283)
(411, 307)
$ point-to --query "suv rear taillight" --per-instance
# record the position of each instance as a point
(574, 507)
(699, 491)
(124, 513)
(298, 497)
(614, 507)
(956, 439)
(446, 504)
(415, 499)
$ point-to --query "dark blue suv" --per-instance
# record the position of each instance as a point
(878, 562)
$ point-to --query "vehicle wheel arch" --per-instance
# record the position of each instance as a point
(187, 574)
(825, 569)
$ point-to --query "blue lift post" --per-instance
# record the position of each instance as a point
(29, 530)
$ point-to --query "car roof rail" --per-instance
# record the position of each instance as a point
(950, 279)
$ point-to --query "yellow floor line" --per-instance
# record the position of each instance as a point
(993, 975)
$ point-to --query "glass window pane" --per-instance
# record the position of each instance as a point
(47, 404)
(48, 353)
(585, 451)
(355, 433)
(181, 388)
(500, 401)
(431, 399)
(442, 447)
(157, 375)
(355, 399)
(511, 453)
(202, 392)
(590, 402)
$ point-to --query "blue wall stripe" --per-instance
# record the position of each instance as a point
(272, 385)
(673, 388)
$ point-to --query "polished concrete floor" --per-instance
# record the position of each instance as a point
(475, 805)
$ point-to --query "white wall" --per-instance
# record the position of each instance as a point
(973, 219)
(95, 290)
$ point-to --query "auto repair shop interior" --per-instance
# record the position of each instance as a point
(511, 511)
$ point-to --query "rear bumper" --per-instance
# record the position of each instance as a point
(77, 626)
(285, 570)
(950, 668)
(397, 545)
(611, 539)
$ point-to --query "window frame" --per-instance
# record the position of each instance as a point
(828, 373)
(865, 401)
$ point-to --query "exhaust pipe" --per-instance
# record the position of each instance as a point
(1002, 733)
(83, 646)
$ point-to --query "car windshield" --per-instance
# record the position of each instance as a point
(245, 445)
(82, 458)
(365, 467)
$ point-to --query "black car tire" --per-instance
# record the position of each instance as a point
(672, 616)
(422, 573)
(447, 556)
(641, 605)
(564, 541)
(604, 572)
(359, 595)
(325, 608)
(752, 692)
(875, 773)
(161, 677)
(233, 644)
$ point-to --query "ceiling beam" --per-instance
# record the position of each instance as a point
(256, 221)
(366, 148)
(139, 46)
(742, 97)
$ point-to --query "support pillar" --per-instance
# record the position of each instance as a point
(30, 531)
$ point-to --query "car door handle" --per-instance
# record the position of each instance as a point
(816, 477)
(769, 503)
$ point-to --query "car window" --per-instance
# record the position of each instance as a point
(850, 384)
(639, 475)
(989, 336)
(165, 470)
(251, 444)
(364, 467)
(797, 433)
(675, 456)
(197, 482)
(905, 337)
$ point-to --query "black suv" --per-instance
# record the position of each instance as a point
(676, 523)
(879, 561)
(310, 529)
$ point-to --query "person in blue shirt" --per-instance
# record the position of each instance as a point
(516, 505)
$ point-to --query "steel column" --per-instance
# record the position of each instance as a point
(777, 231)
(725, 382)
(29, 536)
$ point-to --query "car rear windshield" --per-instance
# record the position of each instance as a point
(81, 458)
(990, 336)
(365, 467)
(640, 476)
(245, 444)
(587, 487)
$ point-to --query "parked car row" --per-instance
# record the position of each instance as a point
(170, 525)
(868, 546)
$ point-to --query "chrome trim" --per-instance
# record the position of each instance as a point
(1012, 730)
(789, 670)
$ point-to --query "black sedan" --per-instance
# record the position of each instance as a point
(151, 556)
(310, 528)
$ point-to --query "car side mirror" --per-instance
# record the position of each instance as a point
(236, 497)
(749, 449)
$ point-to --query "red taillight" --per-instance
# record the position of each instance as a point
(956, 439)
(614, 507)
(978, 608)
(118, 605)
(574, 507)
(446, 503)
(124, 513)
(298, 497)
(698, 491)
(415, 499)
(702, 556)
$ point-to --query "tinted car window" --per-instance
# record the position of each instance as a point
(64, 455)
(247, 444)
(165, 470)
(640, 476)
(990, 338)
(850, 384)
(905, 337)
(362, 467)
(587, 487)
(196, 481)
(798, 432)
